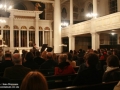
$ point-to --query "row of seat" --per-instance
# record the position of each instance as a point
(101, 86)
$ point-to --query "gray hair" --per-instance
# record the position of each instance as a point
(16, 58)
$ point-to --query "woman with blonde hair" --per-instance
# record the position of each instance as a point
(34, 80)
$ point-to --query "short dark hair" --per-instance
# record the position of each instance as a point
(92, 59)
(29, 56)
(113, 61)
(8, 55)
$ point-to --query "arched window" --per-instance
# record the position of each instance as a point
(23, 34)
(6, 35)
(16, 36)
(112, 6)
(64, 13)
(90, 8)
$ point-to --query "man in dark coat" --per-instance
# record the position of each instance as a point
(6, 63)
(18, 71)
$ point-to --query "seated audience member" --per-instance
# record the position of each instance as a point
(49, 63)
(6, 63)
(117, 87)
(91, 74)
(30, 62)
(64, 67)
(17, 71)
(34, 81)
(112, 72)
(1, 56)
(72, 63)
(23, 55)
(38, 59)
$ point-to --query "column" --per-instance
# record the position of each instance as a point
(51, 38)
(11, 32)
(19, 38)
(43, 37)
(95, 41)
(94, 8)
(71, 12)
(57, 27)
(71, 43)
(118, 5)
(28, 39)
(36, 30)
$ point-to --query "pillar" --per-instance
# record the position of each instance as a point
(94, 7)
(57, 27)
(71, 43)
(28, 41)
(36, 30)
(95, 41)
(118, 5)
(11, 32)
(71, 12)
(51, 38)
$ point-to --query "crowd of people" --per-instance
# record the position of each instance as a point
(95, 66)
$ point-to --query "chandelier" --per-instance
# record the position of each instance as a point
(5, 5)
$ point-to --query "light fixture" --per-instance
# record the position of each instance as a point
(5, 6)
(92, 15)
(112, 34)
(2, 20)
(64, 24)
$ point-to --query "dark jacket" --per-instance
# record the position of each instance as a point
(16, 72)
(5, 64)
(39, 60)
(113, 75)
(49, 64)
(88, 76)
(31, 64)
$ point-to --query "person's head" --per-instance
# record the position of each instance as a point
(62, 58)
(29, 56)
(112, 61)
(34, 80)
(69, 55)
(49, 55)
(37, 53)
(91, 59)
(43, 54)
(71, 51)
(8, 56)
(16, 59)
(16, 51)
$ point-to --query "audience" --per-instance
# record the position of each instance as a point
(49, 63)
(30, 62)
(1, 56)
(112, 72)
(64, 67)
(72, 62)
(38, 59)
(17, 71)
(7, 62)
(90, 75)
(34, 81)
